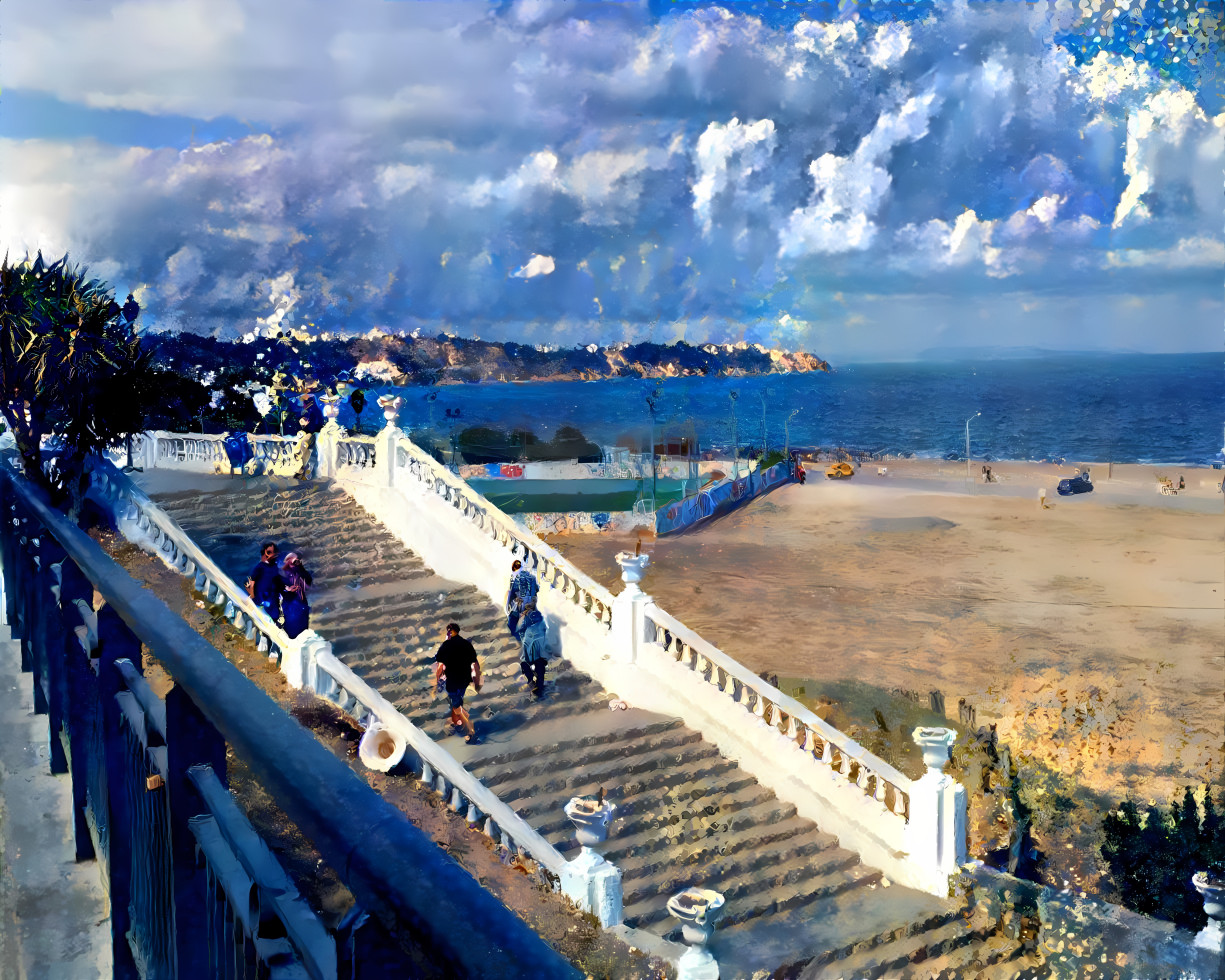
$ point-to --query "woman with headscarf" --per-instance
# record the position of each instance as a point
(294, 607)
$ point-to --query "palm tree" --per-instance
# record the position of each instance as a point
(70, 364)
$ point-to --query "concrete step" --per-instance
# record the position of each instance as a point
(686, 815)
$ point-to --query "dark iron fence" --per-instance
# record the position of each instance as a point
(194, 891)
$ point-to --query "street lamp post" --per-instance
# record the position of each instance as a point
(968, 421)
(652, 403)
(735, 441)
(787, 433)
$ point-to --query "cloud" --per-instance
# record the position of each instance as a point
(537, 265)
(749, 143)
(706, 167)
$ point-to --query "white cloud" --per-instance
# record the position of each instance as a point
(1190, 253)
(537, 265)
(889, 44)
(749, 143)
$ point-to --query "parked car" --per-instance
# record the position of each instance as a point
(1077, 484)
(839, 471)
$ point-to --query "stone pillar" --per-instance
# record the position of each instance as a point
(937, 828)
(629, 621)
(698, 909)
(1212, 936)
(327, 446)
(589, 880)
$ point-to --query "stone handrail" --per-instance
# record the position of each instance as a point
(550, 568)
(816, 738)
(357, 451)
(439, 769)
(146, 519)
(273, 453)
(197, 450)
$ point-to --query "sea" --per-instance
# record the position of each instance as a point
(1126, 408)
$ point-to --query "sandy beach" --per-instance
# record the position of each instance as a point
(1090, 632)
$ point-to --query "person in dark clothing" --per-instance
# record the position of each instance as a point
(294, 606)
(532, 632)
(523, 589)
(308, 425)
(456, 665)
(264, 584)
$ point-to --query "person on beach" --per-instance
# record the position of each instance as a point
(294, 606)
(455, 666)
(532, 633)
(523, 589)
(264, 584)
(309, 425)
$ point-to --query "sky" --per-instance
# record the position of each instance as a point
(865, 181)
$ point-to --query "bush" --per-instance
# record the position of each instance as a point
(1153, 854)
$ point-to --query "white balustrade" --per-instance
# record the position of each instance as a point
(144, 522)
(277, 455)
(764, 704)
(463, 792)
(552, 570)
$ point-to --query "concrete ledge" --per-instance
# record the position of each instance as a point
(54, 913)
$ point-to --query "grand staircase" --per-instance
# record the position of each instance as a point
(686, 815)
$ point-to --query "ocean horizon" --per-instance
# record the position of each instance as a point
(1084, 406)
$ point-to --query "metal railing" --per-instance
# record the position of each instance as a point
(143, 790)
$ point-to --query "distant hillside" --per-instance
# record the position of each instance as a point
(397, 360)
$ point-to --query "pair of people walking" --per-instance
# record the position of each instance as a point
(526, 623)
(281, 591)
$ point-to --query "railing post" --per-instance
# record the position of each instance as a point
(116, 642)
(327, 445)
(629, 608)
(190, 740)
(937, 827)
(52, 643)
(80, 698)
(385, 454)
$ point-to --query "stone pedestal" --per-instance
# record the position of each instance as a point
(628, 620)
(698, 909)
(327, 447)
(589, 881)
(937, 829)
(1212, 888)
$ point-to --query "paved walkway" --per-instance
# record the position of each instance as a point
(54, 913)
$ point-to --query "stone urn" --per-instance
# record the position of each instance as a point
(1212, 888)
(698, 909)
(390, 404)
(590, 816)
(632, 569)
(936, 744)
(331, 406)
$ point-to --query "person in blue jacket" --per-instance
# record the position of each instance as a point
(532, 632)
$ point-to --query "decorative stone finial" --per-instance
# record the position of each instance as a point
(331, 406)
(935, 743)
(698, 909)
(390, 404)
(590, 816)
(1212, 888)
(633, 566)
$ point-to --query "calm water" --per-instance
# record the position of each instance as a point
(1096, 407)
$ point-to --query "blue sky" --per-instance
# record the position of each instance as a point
(861, 180)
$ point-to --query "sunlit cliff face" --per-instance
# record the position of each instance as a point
(568, 173)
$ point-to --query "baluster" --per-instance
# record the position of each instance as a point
(427, 773)
(457, 801)
(474, 815)
(491, 828)
(440, 785)
(759, 705)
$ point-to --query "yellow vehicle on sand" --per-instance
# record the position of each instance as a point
(839, 471)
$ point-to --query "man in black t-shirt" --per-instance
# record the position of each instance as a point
(456, 665)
